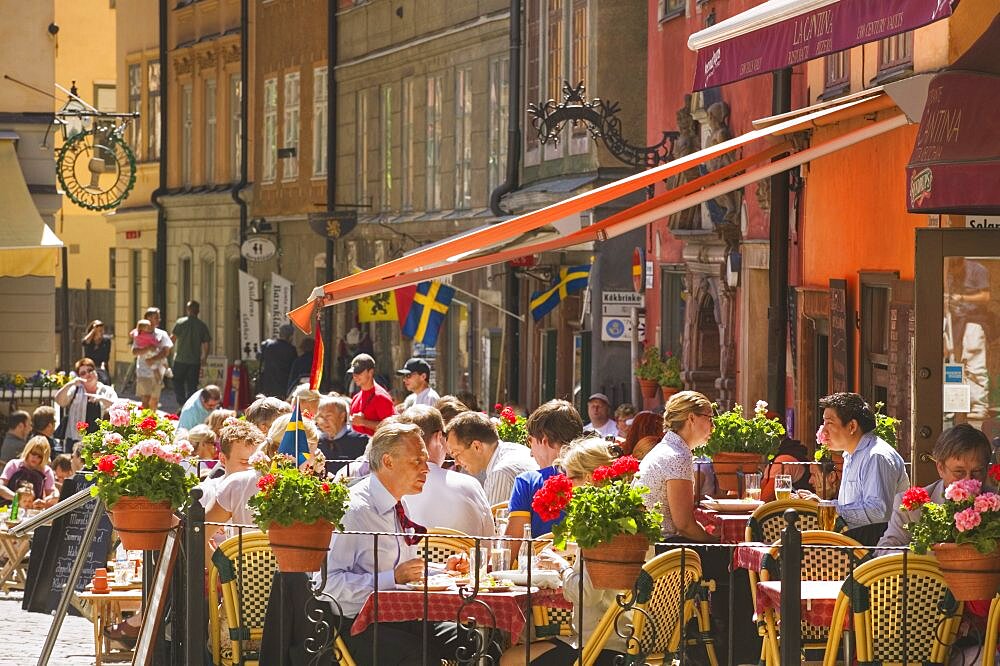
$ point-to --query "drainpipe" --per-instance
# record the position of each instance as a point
(331, 178)
(777, 319)
(236, 190)
(510, 184)
(160, 263)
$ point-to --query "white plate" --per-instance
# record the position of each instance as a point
(539, 577)
(731, 505)
(433, 586)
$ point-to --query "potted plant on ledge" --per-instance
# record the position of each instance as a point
(670, 377)
(139, 473)
(739, 443)
(298, 507)
(606, 518)
(649, 371)
(962, 532)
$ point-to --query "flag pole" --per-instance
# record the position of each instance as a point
(475, 297)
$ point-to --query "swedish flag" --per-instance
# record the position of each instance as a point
(294, 442)
(571, 280)
(430, 305)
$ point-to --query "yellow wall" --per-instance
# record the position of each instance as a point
(22, 25)
(86, 54)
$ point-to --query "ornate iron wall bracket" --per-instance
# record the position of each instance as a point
(602, 122)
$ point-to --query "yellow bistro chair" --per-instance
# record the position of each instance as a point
(992, 627)
(874, 597)
(548, 620)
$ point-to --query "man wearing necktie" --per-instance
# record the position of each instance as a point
(398, 460)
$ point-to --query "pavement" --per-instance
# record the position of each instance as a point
(24, 635)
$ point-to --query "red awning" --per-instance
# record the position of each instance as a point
(781, 33)
(955, 165)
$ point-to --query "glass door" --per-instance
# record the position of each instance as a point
(957, 368)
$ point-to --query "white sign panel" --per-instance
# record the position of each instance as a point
(622, 298)
(280, 302)
(258, 248)
(249, 316)
(982, 221)
(619, 329)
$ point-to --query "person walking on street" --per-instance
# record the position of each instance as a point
(190, 337)
(276, 358)
(148, 379)
(416, 374)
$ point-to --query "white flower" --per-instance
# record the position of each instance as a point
(760, 409)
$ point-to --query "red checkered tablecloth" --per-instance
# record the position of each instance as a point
(509, 608)
(750, 556)
(818, 599)
(731, 527)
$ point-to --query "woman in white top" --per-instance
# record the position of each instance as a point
(579, 460)
(84, 398)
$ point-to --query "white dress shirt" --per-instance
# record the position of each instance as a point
(427, 397)
(609, 428)
(351, 574)
(507, 462)
(451, 499)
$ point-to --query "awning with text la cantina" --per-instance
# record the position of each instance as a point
(489, 245)
(782, 33)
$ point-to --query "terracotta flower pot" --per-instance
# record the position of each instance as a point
(142, 524)
(726, 465)
(300, 547)
(616, 565)
(649, 388)
(668, 392)
(970, 575)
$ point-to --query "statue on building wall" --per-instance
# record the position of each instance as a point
(724, 209)
(688, 142)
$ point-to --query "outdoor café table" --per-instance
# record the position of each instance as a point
(818, 600)
(509, 608)
(750, 555)
(731, 527)
(105, 609)
(15, 549)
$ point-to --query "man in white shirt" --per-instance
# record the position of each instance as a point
(416, 374)
(237, 441)
(398, 459)
(474, 444)
(599, 411)
(449, 499)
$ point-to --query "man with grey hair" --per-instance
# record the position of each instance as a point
(276, 358)
(398, 460)
(338, 441)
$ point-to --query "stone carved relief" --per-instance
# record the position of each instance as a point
(724, 210)
(207, 59)
(688, 142)
(231, 53)
(709, 356)
(183, 65)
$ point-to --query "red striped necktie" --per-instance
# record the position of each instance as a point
(407, 525)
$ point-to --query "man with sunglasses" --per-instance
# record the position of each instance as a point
(372, 404)
(416, 374)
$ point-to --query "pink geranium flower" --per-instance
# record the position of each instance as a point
(967, 519)
(963, 489)
(987, 502)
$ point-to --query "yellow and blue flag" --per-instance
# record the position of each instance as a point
(571, 280)
(430, 305)
(294, 442)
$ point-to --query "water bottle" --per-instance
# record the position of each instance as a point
(524, 552)
(13, 506)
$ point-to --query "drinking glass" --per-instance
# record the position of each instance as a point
(828, 515)
(783, 486)
(500, 557)
(484, 562)
(751, 486)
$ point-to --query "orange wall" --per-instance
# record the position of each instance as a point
(855, 210)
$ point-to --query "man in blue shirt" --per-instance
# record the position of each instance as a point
(550, 427)
(873, 471)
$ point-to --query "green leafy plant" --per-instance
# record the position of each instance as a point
(133, 454)
(967, 515)
(597, 512)
(734, 433)
(511, 426)
(288, 494)
(671, 373)
(651, 365)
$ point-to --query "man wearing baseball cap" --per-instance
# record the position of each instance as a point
(372, 403)
(416, 374)
(599, 410)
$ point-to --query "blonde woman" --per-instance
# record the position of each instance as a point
(579, 460)
(31, 468)
(217, 419)
(204, 441)
(308, 399)
(668, 469)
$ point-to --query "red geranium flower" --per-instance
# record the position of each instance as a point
(106, 464)
(625, 465)
(173, 417)
(498, 407)
(995, 472)
(81, 425)
(148, 423)
(266, 482)
(915, 497)
(553, 497)
(602, 474)
(325, 487)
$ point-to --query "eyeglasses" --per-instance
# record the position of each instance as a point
(709, 415)
(84, 370)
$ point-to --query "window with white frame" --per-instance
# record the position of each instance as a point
(463, 138)
(385, 146)
(837, 73)
(579, 65)
(187, 121)
(361, 148)
(290, 161)
(433, 151)
(135, 106)
(269, 155)
(554, 49)
(210, 129)
(499, 114)
(895, 54)
(319, 121)
(153, 110)
(235, 125)
(408, 113)
(533, 77)
(208, 292)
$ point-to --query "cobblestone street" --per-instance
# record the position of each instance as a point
(24, 634)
